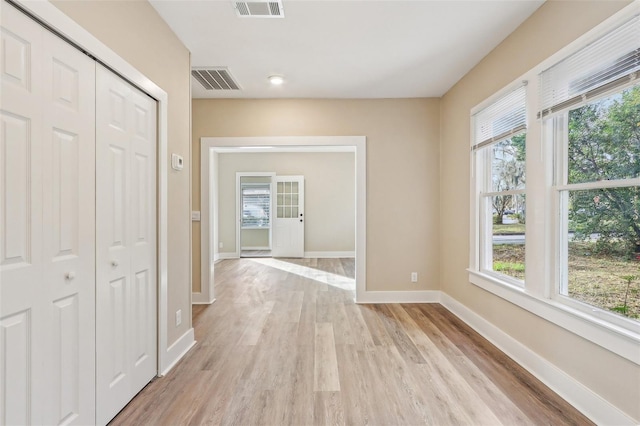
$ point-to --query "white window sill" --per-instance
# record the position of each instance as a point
(255, 227)
(616, 339)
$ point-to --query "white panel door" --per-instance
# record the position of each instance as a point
(47, 202)
(69, 225)
(126, 242)
(21, 245)
(288, 222)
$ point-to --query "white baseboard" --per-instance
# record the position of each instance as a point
(419, 296)
(310, 254)
(201, 299)
(179, 349)
(228, 255)
(582, 398)
(329, 254)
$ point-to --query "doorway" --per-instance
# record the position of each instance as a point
(211, 147)
(254, 213)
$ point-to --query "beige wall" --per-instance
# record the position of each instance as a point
(553, 26)
(136, 32)
(402, 170)
(329, 211)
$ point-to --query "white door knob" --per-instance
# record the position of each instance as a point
(114, 263)
(70, 275)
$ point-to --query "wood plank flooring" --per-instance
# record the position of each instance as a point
(280, 349)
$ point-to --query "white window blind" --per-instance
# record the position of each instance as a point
(505, 117)
(256, 205)
(611, 61)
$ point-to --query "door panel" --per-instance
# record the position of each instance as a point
(288, 229)
(21, 249)
(16, 368)
(143, 238)
(16, 197)
(65, 187)
(126, 246)
(65, 359)
(47, 300)
(68, 169)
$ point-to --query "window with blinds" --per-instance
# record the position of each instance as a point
(256, 205)
(590, 108)
(565, 245)
(612, 61)
(499, 149)
(505, 117)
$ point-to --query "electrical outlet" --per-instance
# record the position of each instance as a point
(414, 277)
(178, 317)
(220, 245)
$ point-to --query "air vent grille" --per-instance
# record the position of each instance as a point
(259, 9)
(215, 79)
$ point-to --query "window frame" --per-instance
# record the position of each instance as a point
(559, 122)
(480, 160)
(270, 204)
(483, 161)
(540, 293)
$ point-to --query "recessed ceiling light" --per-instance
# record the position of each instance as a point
(276, 80)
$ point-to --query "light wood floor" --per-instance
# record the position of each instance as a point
(276, 349)
(345, 266)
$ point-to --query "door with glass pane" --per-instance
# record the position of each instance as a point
(288, 223)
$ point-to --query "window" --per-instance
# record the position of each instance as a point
(580, 186)
(591, 104)
(256, 205)
(499, 148)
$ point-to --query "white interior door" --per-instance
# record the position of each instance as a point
(47, 203)
(126, 242)
(288, 223)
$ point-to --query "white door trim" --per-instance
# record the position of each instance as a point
(240, 175)
(209, 149)
(76, 34)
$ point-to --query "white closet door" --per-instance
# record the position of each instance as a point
(69, 230)
(21, 249)
(47, 257)
(126, 242)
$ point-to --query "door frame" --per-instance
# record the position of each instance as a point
(76, 35)
(210, 147)
(239, 176)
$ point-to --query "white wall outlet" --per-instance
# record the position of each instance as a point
(414, 277)
(177, 162)
(220, 245)
(178, 317)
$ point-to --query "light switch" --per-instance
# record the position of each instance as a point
(195, 216)
(177, 162)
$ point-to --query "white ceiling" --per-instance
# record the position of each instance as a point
(344, 49)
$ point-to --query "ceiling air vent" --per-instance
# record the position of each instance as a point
(259, 9)
(215, 78)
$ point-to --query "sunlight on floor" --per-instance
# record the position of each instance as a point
(328, 278)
